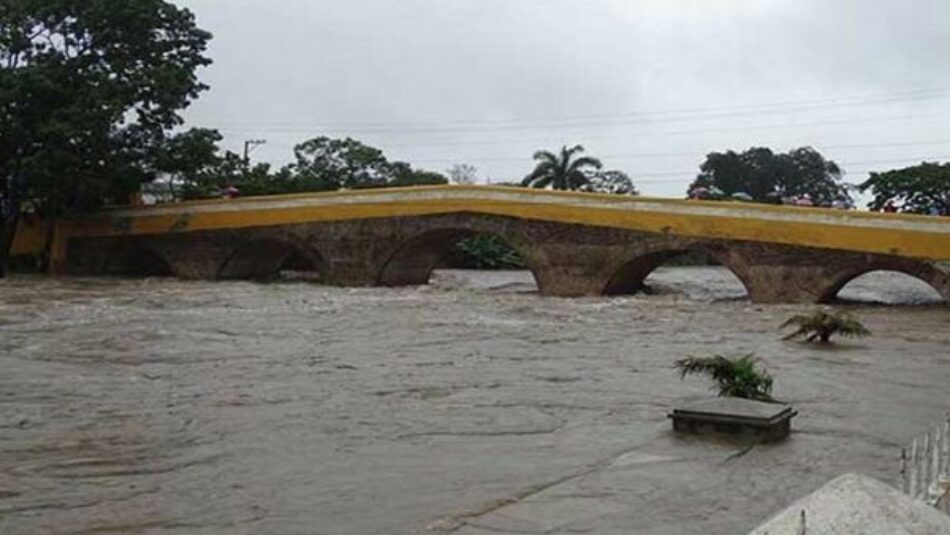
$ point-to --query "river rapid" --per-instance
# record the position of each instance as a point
(469, 406)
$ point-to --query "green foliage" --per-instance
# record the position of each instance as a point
(735, 377)
(88, 90)
(561, 171)
(326, 164)
(616, 182)
(767, 177)
(191, 162)
(820, 326)
(921, 189)
(486, 251)
(257, 180)
(418, 177)
(196, 168)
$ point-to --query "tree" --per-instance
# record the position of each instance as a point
(325, 164)
(734, 377)
(616, 182)
(194, 165)
(561, 171)
(418, 177)
(820, 326)
(257, 179)
(768, 177)
(921, 189)
(87, 91)
(463, 173)
(191, 162)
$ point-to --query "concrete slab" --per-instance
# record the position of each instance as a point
(854, 503)
(768, 421)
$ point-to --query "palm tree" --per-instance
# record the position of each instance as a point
(735, 377)
(559, 170)
(820, 326)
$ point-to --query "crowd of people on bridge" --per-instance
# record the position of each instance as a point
(716, 194)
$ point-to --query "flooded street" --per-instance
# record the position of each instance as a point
(471, 406)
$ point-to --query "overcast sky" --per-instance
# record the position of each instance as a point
(649, 86)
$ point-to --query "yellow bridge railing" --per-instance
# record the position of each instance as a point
(925, 237)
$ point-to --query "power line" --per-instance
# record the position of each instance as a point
(698, 154)
(646, 155)
(692, 114)
(561, 125)
(938, 114)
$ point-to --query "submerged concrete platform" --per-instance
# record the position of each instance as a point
(768, 421)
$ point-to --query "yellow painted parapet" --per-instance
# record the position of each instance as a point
(925, 237)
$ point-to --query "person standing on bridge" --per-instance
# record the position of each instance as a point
(230, 191)
(804, 200)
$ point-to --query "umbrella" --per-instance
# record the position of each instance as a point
(742, 196)
(698, 192)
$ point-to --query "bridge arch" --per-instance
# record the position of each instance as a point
(923, 271)
(138, 259)
(412, 261)
(262, 258)
(628, 277)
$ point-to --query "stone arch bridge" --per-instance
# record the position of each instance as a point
(575, 244)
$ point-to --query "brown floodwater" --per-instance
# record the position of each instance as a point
(470, 406)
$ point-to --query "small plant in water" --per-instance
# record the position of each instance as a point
(735, 377)
(821, 325)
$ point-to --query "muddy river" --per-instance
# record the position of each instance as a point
(470, 406)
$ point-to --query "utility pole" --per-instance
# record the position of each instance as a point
(248, 147)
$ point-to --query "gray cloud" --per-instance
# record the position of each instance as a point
(649, 85)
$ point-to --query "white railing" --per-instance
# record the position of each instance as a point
(925, 467)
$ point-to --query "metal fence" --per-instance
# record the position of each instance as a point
(925, 467)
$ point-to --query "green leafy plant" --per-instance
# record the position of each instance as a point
(487, 252)
(766, 176)
(921, 189)
(821, 325)
(88, 91)
(735, 377)
(562, 171)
